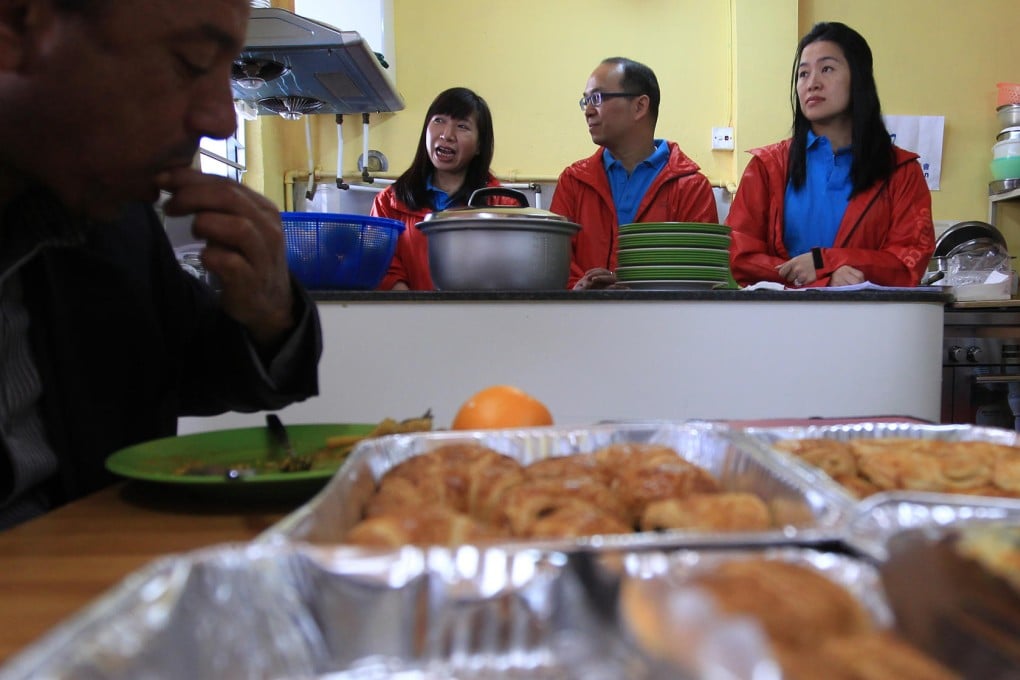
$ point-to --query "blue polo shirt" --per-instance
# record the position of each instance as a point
(628, 190)
(811, 214)
(439, 199)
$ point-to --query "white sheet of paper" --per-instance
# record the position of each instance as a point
(923, 136)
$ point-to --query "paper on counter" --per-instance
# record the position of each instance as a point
(867, 285)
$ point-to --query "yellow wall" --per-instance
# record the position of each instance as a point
(942, 57)
(530, 59)
(719, 62)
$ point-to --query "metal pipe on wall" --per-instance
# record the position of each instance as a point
(364, 148)
(340, 184)
(310, 191)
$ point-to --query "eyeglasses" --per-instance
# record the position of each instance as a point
(595, 98)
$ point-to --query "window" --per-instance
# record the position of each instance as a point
(225, 156)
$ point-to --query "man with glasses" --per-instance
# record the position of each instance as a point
(632, 177)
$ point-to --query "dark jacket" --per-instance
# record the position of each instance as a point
(125, 342)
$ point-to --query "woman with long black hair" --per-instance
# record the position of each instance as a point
(452, 161)
(838, 203)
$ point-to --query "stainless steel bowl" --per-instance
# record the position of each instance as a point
(1009, 115)
(1008, 134)
(498, 247)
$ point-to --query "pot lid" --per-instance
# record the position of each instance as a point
(477, 208)
(962, 232)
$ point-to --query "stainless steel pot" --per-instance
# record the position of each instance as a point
(963, 232)
(486, 247)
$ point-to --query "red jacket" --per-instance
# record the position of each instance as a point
(886, 232)
(410, 262)
(679, 194)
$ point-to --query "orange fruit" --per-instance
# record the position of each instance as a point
(501, 406)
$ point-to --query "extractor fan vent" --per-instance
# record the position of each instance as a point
(251, 74)
(291, 108)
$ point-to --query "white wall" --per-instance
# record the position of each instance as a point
(373, 19)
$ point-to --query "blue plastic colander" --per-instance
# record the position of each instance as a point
(338, 251)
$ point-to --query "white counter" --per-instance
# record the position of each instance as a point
(638, 357)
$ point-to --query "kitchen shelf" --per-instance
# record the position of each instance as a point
(995, 199)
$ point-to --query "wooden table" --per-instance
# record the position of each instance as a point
(53, 566)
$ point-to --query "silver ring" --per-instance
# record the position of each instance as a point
(798, 282)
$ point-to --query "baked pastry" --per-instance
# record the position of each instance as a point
(575, 466)
(898, 463)
(797, 605)
(615, 456)
(996, 547)
(869, 656)
(643, 473)
(464, 477)
(1006, 472)
(965, 465)
(733, 511)
(576, 520)
(604, 492)
(859, 487)
(831, 456)
(815, 628)
(521, 506)
(423, 526)
(869, 465)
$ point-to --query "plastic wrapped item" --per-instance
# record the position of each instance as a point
(981, 273)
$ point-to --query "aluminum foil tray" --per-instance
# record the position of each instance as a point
(966, 609)
(762, 439)
(301, 611)
(804, 512)
(880, 518)
(680, 625)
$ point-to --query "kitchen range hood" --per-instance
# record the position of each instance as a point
(292, 65)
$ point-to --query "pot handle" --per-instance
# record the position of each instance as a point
(485, 192)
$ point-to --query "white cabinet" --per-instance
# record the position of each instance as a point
(598, 360)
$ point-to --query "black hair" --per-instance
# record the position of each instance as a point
(460, 103)
(872, 147)
(639, 79)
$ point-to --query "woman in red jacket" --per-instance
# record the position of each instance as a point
(838, 204)
(452, 160)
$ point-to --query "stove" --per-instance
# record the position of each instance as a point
(981, 365)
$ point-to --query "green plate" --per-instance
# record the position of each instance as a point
(675, 227)
(210, 454)
(664, 273)
(673, 256)
(667, 240)
(678, 284)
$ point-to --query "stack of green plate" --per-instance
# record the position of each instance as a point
(674, 256)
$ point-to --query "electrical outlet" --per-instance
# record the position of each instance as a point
(722, 138)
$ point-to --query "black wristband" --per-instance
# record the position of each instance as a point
(816, 255)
